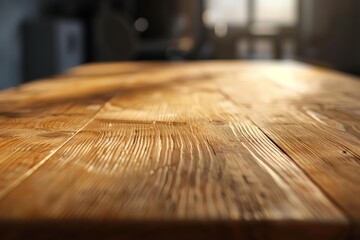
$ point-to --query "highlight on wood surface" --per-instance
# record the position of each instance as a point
(234, 150)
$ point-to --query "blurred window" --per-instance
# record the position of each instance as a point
(229, 12)
(281, 12)
(235, 12)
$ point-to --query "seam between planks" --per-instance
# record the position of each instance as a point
(28, 173)
(333, 201)
(351, 220)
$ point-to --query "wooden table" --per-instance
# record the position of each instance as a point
(200, 150)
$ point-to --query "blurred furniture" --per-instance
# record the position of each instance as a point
(158, 29)
(270, 33)
(226, 46)
(175, 29)
(191, 150)
(114, 37)
(52, 46)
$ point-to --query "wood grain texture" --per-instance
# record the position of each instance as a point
(31, 129)
(237, 150)
(318, 128)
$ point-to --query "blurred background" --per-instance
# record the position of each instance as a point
(41, 38)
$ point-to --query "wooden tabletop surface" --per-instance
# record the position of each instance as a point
(197, 150)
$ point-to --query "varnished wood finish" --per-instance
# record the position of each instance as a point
(232, 150)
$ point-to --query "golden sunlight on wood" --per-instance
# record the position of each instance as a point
(215, 150)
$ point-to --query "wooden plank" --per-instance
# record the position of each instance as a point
(176, 152)
(315, 120)
(330, 159)
(37, 119)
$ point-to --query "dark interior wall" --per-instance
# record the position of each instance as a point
(329, 33)
(13, 13)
